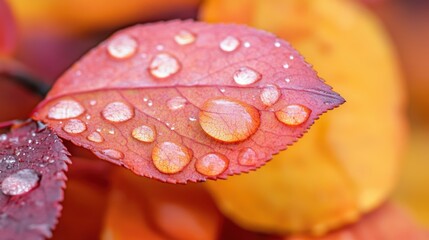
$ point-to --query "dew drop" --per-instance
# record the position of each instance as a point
(20, 182)
(246, 76)
(229, 120)
(74, 126)
(169, 157)
(113, 154)
(150, 103)
(270, 95)
(212, 164)
(247, 157)
(95, 137)
(285, 66)
(293, 115)
(92, 102)
(229, 44)
(144, 134)
(65, 109)
(184, 37)
(277, 44)
(9, 159)
(176, 103)
(122, 46)
(247, 44)
(291, 57)
(164, 65)
(117, 112)
(287, 80)
(192, 119)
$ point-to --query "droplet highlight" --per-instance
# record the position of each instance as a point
(65, 109)
(20, 182)
(229, 120)
(164, 65)
(112, 154)
(270, 94)
(144, 134)
(176, 103)
(95, 137)
(74, 126)
(117, 112)
(246, 76)
(169, 157)
(247, 157)
(293, 115)
(122, 47)
(212, 164)
(184, 37)
(229, 44)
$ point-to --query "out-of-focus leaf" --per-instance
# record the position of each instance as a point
(8, 34)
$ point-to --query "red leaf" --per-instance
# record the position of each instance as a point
(7, 29)
(181, 101)
(32, 165)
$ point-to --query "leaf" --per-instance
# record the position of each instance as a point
(186, 101)
(32, 165)
(7, 29)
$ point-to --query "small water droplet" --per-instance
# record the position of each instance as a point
(9, 159)
(293, 115)
(192, 119)
(117, 112)
(145, 99)
(229, 44)
(287, 80)
(286, 66)
(212, 164)
(88, 117)
(111, 131)
(150, 103)
(159, 47)
(270, 95)
(229, 120)
(65, 109)
(113, 154)
(122, 46)
(169, 157)
(246, 76)
(92, 102)
(20, 182)
(247, 157)
(164, 65)
(176, 103)
(291, 57)
(184, 37)
(144, 134)
(222, 90)
(95, 137)
(74, 126)
(277, 44)
(3, 137)
(247, 44)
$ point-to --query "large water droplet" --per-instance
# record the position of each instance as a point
(184, 37)
(229, 44)
(176, 103)
(113, 154)
(212, 164)
(117, 112)
(270, 95)
(169, 157)
(74, 126)
(246, 76)
(164, 65)
(247, 157)
(229, 120)
(95, 137)
(293, 115)
(144, 134)
(65, 109)
(20, 182)
(122, 46)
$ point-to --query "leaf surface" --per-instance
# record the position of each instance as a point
(32, 165)
(186, 101)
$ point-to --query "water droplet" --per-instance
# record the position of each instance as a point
(74, 126)
(92, 102)
(20, 182)
(117, 112)
(164, 65)
(65, 109)
(95, 137)
(229, 120)
(3, 137)
(247, 44)
(270, 95)
(159, 47)
(246, 76)
(113, 154)
(229, 44)
(192, 119)
(293, 115)
(184, 37)
(286, 66)
(176, 103)
(122, 46)
(169, 157)
(222, 90)
(9, 159)
(287, 80)
(150, 103)
(247, 157)
(212, 164)
(291, 57)
(144, 133)
(277, 44)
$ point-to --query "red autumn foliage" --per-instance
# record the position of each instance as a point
(7, 30)
(32, 165)
(185, 101)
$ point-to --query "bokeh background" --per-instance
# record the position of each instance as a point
(360, 173)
